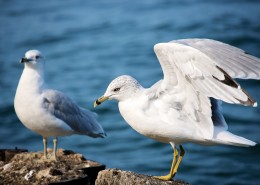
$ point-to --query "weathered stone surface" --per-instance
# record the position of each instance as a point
(7, 154)
(32, 168)
(119, 177)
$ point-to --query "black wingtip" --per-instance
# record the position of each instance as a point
(250, 101)
(232, 83)
(228, 79)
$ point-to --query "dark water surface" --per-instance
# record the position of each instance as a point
(88, 43)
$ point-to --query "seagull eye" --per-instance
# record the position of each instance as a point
(116, 89)
(37, 57)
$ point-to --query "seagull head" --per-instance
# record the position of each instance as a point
(121, 88)
(32, 58)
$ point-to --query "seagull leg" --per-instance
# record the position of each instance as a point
(182, 152)
(174, 161)
(55, 142)
(45, 147)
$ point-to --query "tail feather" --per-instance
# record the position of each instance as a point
(227, 138)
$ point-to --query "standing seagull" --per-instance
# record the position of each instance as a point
(184, 106)
(49, 112)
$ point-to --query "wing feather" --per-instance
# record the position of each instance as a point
(81, 120)
(199, 72)
(236, 62)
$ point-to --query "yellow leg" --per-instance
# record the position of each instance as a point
(174, 161)
(182, 152)
(45, 147)
(55, 142)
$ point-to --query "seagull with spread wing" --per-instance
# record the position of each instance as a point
(48, 112)
(185, 105)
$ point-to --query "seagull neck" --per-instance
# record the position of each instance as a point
(135, 92)
(32, 79)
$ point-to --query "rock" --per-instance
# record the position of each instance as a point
(119, 177)
(7, 154)
(29, 175)
(7, 167)
(32, 168)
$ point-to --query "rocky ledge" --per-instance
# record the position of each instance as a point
(119, 177)
(31, 168)
(22, 167)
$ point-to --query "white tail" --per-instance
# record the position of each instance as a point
(227, 138)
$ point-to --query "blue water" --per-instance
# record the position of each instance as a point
(89, 43)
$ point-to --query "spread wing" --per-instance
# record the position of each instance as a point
(81, 120)
(236, 62)
(193, 78)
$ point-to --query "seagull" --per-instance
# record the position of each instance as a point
(185, 105)
(48, 112)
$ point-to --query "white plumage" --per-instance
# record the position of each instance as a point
(184, 107)
(49, 112)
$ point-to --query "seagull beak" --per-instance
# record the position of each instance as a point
(23, 60)
(100, 100)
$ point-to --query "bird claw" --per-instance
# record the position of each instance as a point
(165, 177)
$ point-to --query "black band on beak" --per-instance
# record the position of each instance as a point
(98, 102)
(24, 60)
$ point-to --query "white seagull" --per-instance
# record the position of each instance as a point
(184, 106)
(49, 112)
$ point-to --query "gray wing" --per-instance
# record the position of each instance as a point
(236, 62)
(81, 120)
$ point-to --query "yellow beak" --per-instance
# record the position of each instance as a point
(100, 100)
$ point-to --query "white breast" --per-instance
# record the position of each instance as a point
(29, 109)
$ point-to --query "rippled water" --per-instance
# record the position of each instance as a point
(88, 43)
